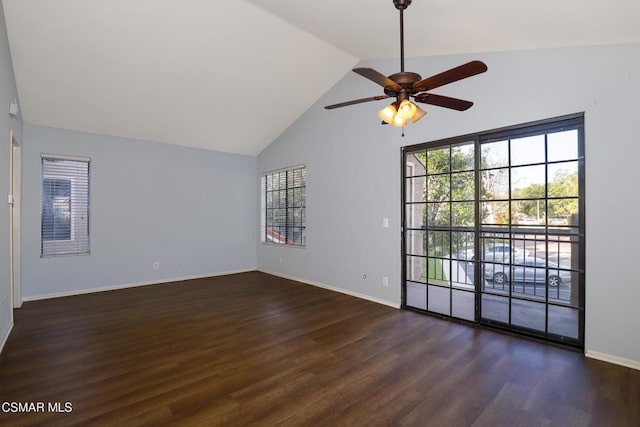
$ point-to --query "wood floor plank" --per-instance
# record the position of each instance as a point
(253, 349)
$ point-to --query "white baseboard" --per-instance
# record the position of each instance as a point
(613, 359)
(335, 289)
(130, 285)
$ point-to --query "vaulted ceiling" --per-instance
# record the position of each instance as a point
(233, 75)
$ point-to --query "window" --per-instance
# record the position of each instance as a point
(284, 200)
(494, 228)
(65, 205)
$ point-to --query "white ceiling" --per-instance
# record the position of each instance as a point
(233, 75)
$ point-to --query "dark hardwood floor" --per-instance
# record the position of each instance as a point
(254, 349)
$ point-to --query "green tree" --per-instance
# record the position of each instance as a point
(565, 185)
(530, 207)
(450, 190)
(562, 190)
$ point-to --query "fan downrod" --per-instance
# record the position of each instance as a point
(402, 4)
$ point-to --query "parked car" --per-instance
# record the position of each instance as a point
(527, 270)
(500, 252)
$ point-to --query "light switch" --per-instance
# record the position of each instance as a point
(385, 222)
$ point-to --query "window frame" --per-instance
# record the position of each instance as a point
(552, 235)
(78, 242)
(294, 235)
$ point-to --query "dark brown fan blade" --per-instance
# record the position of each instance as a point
(453, 75)
(443, 101)
(377, 77)
(356, 101)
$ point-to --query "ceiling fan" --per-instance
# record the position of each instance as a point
(405, 85)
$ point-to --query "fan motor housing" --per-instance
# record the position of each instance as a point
(405, 81)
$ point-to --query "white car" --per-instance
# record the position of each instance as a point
(500, 252)
(527, 270)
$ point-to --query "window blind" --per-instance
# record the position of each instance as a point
(283, 208)
(65, 206)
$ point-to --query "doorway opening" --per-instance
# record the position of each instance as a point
(15, 163)
(493, 229)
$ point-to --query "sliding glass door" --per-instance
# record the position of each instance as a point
(440, 217)
(494, 231)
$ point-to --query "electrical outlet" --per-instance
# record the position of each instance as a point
(385, 281)
(180, 264)
(156, 265)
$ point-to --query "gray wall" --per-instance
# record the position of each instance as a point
(7, 94)
(354, 173)
(149, 202)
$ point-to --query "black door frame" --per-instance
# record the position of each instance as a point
(557, 124)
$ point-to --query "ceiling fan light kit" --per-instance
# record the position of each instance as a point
(399, 116)
(388, 113)
(407, 109)
(406, 85)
